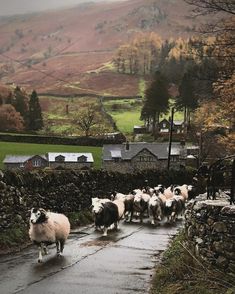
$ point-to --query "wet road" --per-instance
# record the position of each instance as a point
(121, 263)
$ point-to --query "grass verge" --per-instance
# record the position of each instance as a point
(183, 273)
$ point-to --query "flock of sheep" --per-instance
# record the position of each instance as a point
(158, 202)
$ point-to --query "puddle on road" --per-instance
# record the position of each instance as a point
(99, 243)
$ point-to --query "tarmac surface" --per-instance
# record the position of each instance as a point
(121, 263)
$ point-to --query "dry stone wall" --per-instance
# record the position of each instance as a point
(210, 231)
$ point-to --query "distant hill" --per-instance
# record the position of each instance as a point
(70, 50)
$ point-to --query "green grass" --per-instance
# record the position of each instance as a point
(126, 120)
(31, 149)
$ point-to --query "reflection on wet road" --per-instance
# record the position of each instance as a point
(120, 263)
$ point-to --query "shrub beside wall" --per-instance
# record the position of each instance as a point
(210, 231)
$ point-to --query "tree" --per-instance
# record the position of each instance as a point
(10, 119)
(86, 119)
(156, 100)
(35, 120)
(218, 114)
(20, 102)
(186, 99)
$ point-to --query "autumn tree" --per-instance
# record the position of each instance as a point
(35, 120)
(218, 114)
(86, 119)
(10, 119)
(156, 100)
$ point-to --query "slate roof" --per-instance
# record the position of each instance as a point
(69, 157)
(158, 149)
(20, 158)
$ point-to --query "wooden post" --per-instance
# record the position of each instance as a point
(170, 138)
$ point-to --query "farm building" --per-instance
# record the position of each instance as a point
(51, 159)
(178, 126)
(134, 156)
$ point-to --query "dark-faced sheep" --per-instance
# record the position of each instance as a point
(47, 228)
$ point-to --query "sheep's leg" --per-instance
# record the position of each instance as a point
(105, 231)
(40, 253)
(116, 225)
(45, 250)
(58, 248)
(61, 247)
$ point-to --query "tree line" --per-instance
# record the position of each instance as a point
(203, 69)
(20, 111)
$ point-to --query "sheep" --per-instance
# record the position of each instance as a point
(182, 191)
(108, 213)
(128, 202)
(94, 203)
(141, 201)
(47, 228)
(155, 208)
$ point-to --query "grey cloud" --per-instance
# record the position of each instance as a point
(10, 7)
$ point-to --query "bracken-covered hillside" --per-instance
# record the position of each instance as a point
(70, 50)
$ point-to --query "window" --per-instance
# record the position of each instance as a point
(174, 158)
(60, 158)
(164, 125)
(145, 158)
(37, 162)
(22, 164)
(82, 158)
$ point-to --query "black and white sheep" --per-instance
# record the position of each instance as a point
(107, 214)
(47, 228)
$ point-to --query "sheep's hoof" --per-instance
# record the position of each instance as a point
(39, 260)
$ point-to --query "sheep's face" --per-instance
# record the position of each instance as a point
(97, 207)
(177, 191)
(38, 216)
(154, 200)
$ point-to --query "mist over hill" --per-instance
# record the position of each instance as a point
(12, 7)
(71, 49)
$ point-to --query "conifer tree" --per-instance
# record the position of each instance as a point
(156, 100)
(20, 103)
(35, 122)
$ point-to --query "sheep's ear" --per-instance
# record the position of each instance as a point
(43, 211)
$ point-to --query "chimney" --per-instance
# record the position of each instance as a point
(127, 145)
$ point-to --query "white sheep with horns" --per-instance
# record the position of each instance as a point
(47, 228)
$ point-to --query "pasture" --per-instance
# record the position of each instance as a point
(59, 115)
(31, 149)
(125, 113)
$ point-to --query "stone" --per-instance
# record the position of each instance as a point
(219, 227)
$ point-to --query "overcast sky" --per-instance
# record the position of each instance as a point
(9, 7)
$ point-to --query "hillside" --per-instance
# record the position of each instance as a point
(69, 50)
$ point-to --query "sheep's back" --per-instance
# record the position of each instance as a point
(56, 228)
(61, 225)
(121, 207)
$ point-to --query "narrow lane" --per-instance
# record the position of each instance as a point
(120, 263)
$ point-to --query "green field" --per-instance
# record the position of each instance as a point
(31, 149)
(126, 113)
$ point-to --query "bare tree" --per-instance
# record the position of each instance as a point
(203, 7)
(86, 119)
